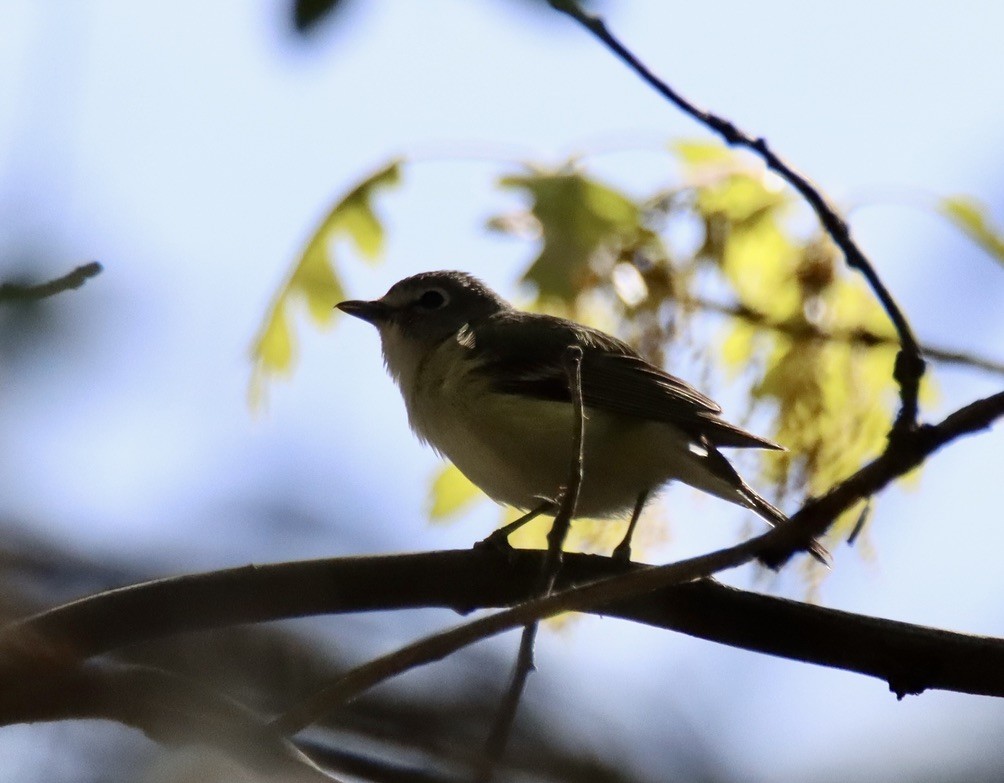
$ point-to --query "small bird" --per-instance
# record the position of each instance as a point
(486, 385)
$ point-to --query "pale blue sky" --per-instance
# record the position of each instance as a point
(191, 147)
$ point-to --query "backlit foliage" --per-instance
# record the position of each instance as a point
(711, 263)
(314, 277)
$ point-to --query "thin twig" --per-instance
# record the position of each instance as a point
(570, 497)
(498, 737)
(858, 336)
(909, 366)
(12, 292)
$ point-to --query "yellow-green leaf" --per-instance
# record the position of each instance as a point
(578, 216)
(272, 353)
(313, 278)
(316, 281)
(698, 154)
(451, 492)
(353, 217)
(973, 219)
(737, 347)
(275, 344)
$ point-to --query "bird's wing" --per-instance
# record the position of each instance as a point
(615, 378)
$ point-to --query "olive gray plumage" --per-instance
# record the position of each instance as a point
(485, 385)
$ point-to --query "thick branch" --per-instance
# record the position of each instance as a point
(923, 658)
(909, 657)
(250, 594)
(909, 363)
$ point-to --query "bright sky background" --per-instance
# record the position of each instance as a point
(191, 148)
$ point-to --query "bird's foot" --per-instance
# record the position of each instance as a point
(496, 542)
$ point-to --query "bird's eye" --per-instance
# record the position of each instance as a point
(432, 299)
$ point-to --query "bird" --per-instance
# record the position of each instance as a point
(486, 385)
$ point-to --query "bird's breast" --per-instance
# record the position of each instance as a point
(518, 449)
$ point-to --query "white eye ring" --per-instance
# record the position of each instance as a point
(432, 299)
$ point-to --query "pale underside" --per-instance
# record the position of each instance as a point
(518, 449)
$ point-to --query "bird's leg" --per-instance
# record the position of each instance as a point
(623, 550)
(500, 538)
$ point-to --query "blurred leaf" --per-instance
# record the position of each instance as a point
(578, 216)
(451, 492)
(700, 154)
(834, 401)
(737, 347)
(741, 197)
(759, 261)
(354, 218)
(276, 344)
(314, 280)
(973, 219)
(307, 14)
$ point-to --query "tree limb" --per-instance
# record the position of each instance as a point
(909, 363)
(12, 292)
(910, 658)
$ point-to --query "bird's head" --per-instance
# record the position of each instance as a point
(427, 308)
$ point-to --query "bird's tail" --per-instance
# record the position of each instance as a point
(773, 515)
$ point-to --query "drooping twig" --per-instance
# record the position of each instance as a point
(12, 292)
(899, 458)
(909, 363)
(498, 737)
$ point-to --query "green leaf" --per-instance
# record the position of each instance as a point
(741, 197)
(700, 154)
(275, 343)
(316, 281)
(313, 278)
(272, 353)
(973, 219)
(578, 216)
(353, 217)
(451, 492)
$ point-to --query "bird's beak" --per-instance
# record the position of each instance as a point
(374, 312)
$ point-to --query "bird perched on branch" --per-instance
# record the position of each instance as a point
(485, 384)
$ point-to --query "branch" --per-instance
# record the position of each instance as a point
(260, 593)
(167, 707)
(498, 738)
(804, 330)
(910, 658)
(900, 457)
(12, 292)
(464, 580)
(909, 363)
(586, 597)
